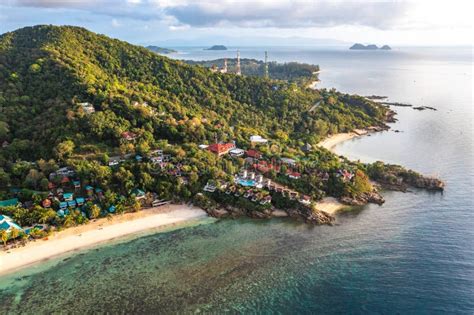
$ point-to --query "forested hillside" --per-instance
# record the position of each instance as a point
(128, 122)
(46, 70)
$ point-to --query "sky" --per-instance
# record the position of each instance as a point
(254, 22)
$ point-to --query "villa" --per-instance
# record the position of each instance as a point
(236, 152)
(257, 139)
(221, 148)
(7, 224)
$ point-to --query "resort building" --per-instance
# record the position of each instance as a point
(7, 224)
(257, 139)
(221, 148)
(236, 152)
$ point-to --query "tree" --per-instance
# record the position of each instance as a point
(94, 211)
(4, 237)
(14, 233)
(64, 149)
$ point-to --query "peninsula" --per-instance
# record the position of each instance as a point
(161, 50)
(114, 128)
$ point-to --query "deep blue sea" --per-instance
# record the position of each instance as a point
(413, 255)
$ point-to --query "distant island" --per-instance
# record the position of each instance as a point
(217, 47)
(160, 50)
(369, 47)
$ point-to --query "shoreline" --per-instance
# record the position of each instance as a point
(96, 232)
(333, 140)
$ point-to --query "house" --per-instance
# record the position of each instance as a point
(294, 175)
(253, 154)
(346, 175)
(210, 187)
(129, 136)
(138, 158)
(63, 205)
(7, 224)
(68, 196)
(71, 204)
(114, 160)
(46, 203)
(266, 200)
(80, 201)
(87, 107)
(77, 184)
(306, 147)
(203, 146)
(236, 152)
(288, 161)
(63, 171)
(9, 202)
(257, 139)
(139, 194)
(5, 144)
(111, 209)
(221, 148)
(156, 159)
(305, 199)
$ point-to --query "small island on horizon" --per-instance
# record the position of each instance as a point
(359, 46)
(216, 47)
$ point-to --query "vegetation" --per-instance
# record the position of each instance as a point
(142, 101)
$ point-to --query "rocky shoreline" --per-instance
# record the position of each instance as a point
(303, 213)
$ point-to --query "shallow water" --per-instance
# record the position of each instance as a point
(414, 254)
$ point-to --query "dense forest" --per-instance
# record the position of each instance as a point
(70, 97)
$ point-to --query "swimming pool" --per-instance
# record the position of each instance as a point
(246, 182)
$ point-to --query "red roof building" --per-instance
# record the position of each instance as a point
(253, 154)
(129, 136)
(221, 148)
(46, 203)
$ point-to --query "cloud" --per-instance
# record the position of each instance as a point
(241, 13)
(288, 14)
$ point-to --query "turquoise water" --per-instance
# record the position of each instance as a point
(247, 182)
(413, 255)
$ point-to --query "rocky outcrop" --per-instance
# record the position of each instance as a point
(312, 216)
(363, 199)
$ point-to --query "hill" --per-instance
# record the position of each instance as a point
(124, 119)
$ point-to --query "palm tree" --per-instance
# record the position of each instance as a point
(69, 220)
(14, 233)
(4, 237)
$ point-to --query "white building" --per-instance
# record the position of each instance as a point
(258, 139)
(236, 152)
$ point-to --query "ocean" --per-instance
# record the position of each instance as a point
(413, 255)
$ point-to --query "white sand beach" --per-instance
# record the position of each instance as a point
(96, 232)
(333, 140)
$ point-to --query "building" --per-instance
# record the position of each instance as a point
(221, 148)
(236, 152)
(7, 224)
(129, 136)
(294, 175)
(253, 154)
(257, 139)
(307, 147)
(87, 107)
